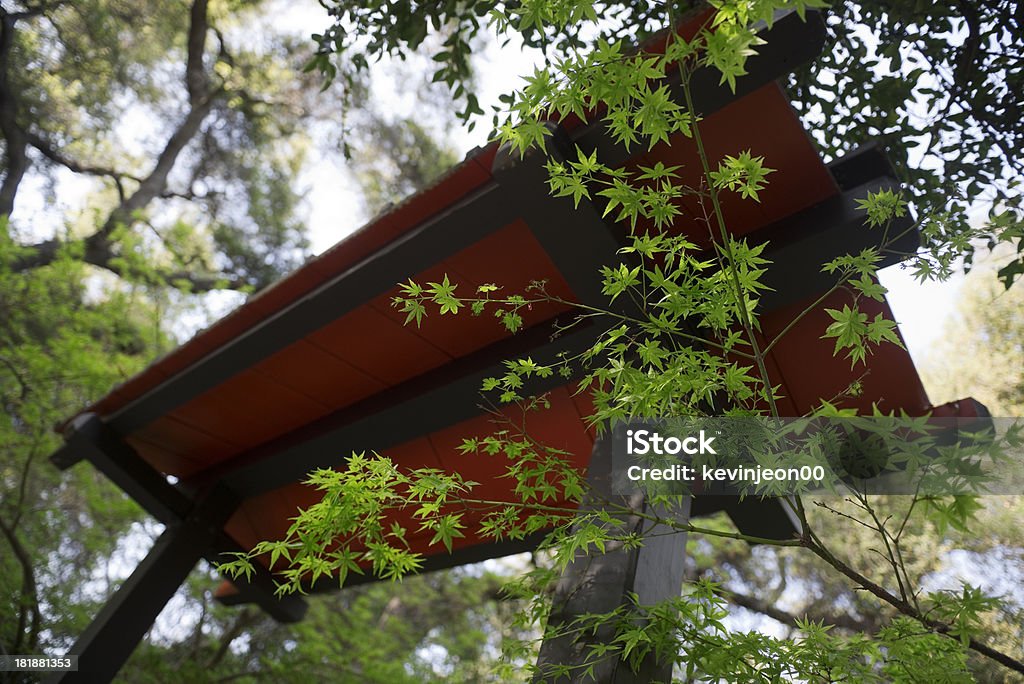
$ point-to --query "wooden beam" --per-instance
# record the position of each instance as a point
(91, 438)
(577, 238)
(464, 223)
(173, 505)
(800, 244)
(126, 617)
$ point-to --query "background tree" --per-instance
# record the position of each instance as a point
(980, 351)
(57, 351)
(198, 191)
(181, 146)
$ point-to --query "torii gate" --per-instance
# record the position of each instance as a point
(214, 438)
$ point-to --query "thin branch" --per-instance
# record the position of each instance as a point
(48, 150)
(29, 614)
(758, 605)
(890, 553)
(741, 297)
(909, 610)
(99, 246)
(245, 619)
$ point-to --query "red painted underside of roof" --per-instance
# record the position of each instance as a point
(369, 350)
(454, 185)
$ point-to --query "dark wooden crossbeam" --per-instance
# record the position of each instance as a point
(125, 618)
(800, 244)
(90, 438)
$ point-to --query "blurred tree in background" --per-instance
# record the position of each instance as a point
(57, 350)
(980, 351)
(148, 151)
(194, 134)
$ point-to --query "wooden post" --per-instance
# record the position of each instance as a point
(112, 636)
(601, 583)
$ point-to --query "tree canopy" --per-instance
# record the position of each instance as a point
(199, 191)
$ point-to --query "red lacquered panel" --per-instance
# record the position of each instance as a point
(248, 410)
(811, 371)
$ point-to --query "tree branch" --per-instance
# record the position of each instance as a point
(97, 245)
(244, 620)
(196, 80)
(99, 248)
(908, 609)
(845, 621)
(16, 161)
(154, 184)
(58, 157)
(29, 614)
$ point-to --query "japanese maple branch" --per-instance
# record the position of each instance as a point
(906, 608)
(741, 298)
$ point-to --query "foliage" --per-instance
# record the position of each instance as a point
(681, 338)
(198, 192)
(440, 627)
(938, 83)
(402, 157)
(58, 349)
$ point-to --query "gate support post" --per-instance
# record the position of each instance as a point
(105, 645)
(599, 583)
